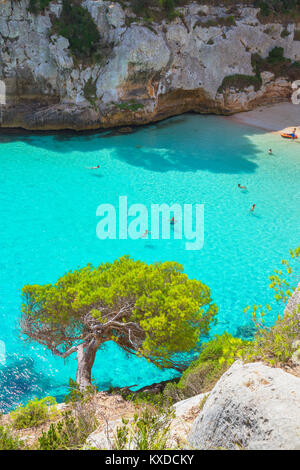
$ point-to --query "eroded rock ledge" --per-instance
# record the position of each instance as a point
(146, 74)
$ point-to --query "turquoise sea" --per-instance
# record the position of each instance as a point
(48, 202)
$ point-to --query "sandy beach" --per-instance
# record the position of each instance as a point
(278, 118)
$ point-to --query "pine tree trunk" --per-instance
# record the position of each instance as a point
(86, 354)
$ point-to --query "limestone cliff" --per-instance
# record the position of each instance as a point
(147, 71)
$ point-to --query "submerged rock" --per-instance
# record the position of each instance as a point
(253, 406)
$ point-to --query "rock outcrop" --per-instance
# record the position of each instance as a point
(185, 412)
(147, 72)
(253, 406)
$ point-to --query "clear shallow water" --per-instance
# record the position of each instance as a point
(48, 202)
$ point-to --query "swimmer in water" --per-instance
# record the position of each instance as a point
(270, 151)
(172, 221)
(145, 234)
(252, 208)
(93, 167)
(242, 187)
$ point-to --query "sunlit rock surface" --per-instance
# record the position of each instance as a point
(165, 68)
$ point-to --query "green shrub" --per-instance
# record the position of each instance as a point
(76, 24)
(90, 91)
(276, 55)
(76, 395)
(275, 344)
(156, 10)
(8, 442)
(285, 282)
(141, 7)
(277, 8)
(203, 401)
(284, 33)
(149, 430)
(167, 5)
(33, 414)
(215, 358)
(36, 6)
(264, 8)
(131, 105)
(297, 35)
(275, 63)
(72, 431)
(220, 21)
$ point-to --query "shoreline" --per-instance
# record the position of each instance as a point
(276, 118)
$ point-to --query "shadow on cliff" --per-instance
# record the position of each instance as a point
(183, 143)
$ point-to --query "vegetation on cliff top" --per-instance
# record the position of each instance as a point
(269, 10)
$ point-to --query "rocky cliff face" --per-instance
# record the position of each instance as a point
(252, 407)
(146, 72)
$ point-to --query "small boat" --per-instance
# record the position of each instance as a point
(289, 136)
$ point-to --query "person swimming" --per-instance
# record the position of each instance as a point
(252, 208)
(93, 167)
(241, 187)
(270, 151)
(172, 221)
(145, 234)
